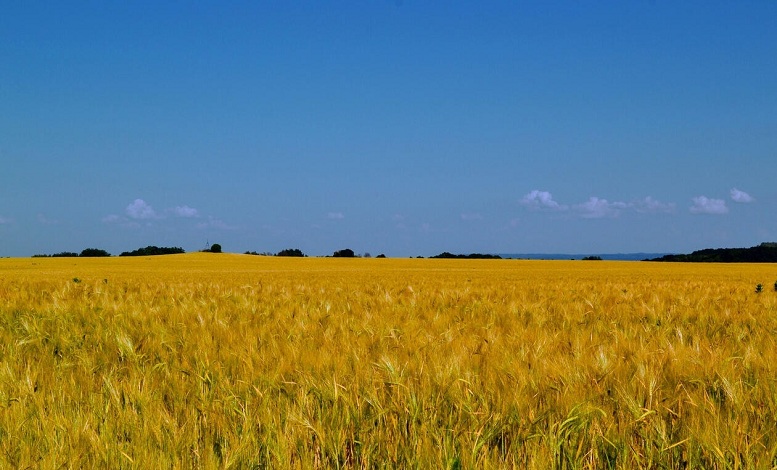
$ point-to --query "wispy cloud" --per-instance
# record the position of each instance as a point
(596, 208)
(705, 205)
(651, 205)
(140, 210)
(43, 220)
(5, 220)
(185, 212)
(215, 223)
(335, 216)
(537, 199)
(741, 196)
(470, 216)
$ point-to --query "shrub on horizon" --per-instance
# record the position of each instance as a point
(346, 253)
(94, 253)
(296, 252)
(214, 248)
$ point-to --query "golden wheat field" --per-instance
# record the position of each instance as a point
(235, 361)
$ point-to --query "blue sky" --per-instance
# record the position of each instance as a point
(399, 127)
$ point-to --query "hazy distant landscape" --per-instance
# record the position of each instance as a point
(604, 256)
(764, 253)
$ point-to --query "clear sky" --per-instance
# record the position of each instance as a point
(399, 127)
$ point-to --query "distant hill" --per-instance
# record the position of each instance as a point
(763, 253)
(604, 256)
(447, 255)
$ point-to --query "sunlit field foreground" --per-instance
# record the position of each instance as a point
(235, 361)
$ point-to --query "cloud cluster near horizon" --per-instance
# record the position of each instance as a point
(185, 212)
(537, 199)
(705, 205)
(598, 208)
(141, 211)
(595, 207)
(650, 205)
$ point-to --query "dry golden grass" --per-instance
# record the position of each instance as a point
(231, 361)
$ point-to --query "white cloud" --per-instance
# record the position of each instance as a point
(335, 216)
(705, 205)
(186, 212)
(537, 199)
(651, 205)
(121, 221)
(139, 209)
(4, 221)
(596, 208)
(741, 196)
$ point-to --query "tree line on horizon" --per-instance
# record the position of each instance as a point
(764, 253)
(296, 252)
(153, 250)
(150, 250)
(86, 253)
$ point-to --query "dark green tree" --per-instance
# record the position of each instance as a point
(94, 253)
(291, 252)
(346, 253)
